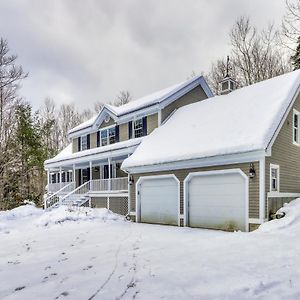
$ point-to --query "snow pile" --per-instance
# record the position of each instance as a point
(244, 120)
(27, 215)
(64, 214)
(288, 222)
(23, 211)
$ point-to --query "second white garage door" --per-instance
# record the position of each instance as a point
(217, 200)
(158, 199)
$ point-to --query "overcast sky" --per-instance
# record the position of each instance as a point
(84, 51)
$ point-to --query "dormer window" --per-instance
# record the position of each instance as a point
(295, 127)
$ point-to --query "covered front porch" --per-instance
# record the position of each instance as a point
(103, 175)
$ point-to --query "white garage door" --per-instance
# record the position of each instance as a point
(159, 200)
(217, 201)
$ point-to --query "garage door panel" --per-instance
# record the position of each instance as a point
(159, 201)
(217, 201)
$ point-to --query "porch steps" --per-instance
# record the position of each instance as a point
(75, 200)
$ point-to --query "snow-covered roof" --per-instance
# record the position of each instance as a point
(66, 154)
(244, 120)
(152, 99)
(85, 124)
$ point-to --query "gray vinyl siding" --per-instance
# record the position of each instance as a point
(106, 124)
(182, 174)
(196, 94)
(287, 156)
(152, 122)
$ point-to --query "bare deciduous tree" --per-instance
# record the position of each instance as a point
(255, 56)
(291, 24)
(11, 75)
(122, 98)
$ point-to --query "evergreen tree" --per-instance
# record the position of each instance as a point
(296, 57)
(31, 154)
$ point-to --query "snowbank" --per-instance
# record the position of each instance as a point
(288, 222)
(64, 214)
(27, 215)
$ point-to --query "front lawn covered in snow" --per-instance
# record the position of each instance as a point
(95, 254)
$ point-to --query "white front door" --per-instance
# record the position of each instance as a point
(217, 201)
(158, 200)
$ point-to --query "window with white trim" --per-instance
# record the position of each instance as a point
(274, 178)
(296, 127)
(138, 128)
(108, 136)
(84, 142)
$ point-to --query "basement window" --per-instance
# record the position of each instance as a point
(274, 178)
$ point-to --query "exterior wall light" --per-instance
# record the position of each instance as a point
(252, 172)
(131, 180)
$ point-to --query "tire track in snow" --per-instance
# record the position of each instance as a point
(114, 268)
(132, 283)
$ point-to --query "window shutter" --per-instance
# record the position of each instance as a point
(98, 138)
(144, 126)
(79, 144)
(117, 134)
(88, 141)
(79, 177)
(130, 130)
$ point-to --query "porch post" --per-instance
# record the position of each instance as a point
(60, 178)
(48, 177)
(109, 174)
(74, 175)
(91, 175)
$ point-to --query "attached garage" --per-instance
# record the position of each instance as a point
(217, 199)
(158, 199)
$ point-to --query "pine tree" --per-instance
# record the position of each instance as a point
(296, 57)
(31, 153)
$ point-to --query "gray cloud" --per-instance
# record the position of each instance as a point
(87, 51)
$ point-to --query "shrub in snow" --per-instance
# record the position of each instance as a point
(290, 213)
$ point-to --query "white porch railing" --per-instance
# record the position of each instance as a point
(78, 194)
(54, 198)
(54, 187)
(113, 184)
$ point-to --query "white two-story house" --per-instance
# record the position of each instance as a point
(87, 172)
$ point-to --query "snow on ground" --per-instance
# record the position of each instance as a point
(95, 254)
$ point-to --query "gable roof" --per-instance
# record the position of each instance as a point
(242, 121)
(166, 95)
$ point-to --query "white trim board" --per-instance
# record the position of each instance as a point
(282, 195)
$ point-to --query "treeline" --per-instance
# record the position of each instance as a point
(29, 137)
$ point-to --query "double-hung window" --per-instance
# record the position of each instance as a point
(274, 178)
(112, 135)
(138, 128)
(296, 127)
(108, 136)
(103, 134)
(84, 142)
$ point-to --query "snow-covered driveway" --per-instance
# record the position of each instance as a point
(71, 255)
